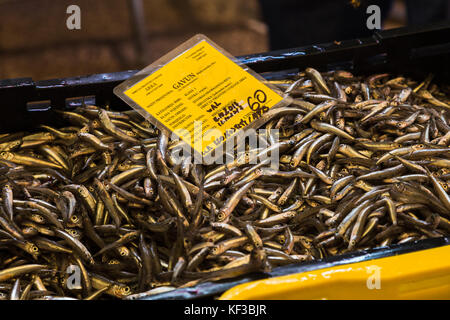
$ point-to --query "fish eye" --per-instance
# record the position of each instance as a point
(74, 219)
(123, 290)
(37, 218)
(35, 249)
(27, 230)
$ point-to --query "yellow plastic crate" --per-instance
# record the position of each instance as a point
(423, 274)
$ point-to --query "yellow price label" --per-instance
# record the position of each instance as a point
(203, 96)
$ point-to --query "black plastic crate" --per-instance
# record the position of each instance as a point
(413, 51)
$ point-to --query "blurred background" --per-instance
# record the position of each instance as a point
(118, 35)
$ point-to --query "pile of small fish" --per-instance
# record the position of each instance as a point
(100, 208)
